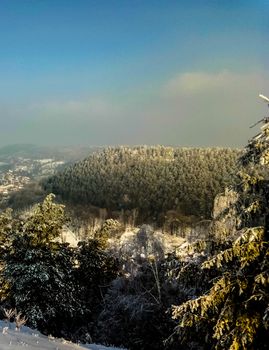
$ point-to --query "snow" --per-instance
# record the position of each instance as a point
(33, 340)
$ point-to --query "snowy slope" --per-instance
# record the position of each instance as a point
(33, 340)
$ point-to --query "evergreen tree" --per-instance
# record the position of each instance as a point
(59, 289)
(39, 271)
(94, 273)
(234, 314)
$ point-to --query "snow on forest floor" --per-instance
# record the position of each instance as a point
(33, 340)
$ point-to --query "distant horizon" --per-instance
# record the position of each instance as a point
(114, 72)
(107, 146)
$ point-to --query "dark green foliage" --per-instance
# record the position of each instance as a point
(109, 229)
(151, 179)
(95, 271)
(41, 284)
(58, 288)
(38, 270)
(6, 228)
(45, 223)
(233, 314)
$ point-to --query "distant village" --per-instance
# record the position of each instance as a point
(16, 173)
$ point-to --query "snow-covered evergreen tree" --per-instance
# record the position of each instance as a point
(39, 271)
(234, 313)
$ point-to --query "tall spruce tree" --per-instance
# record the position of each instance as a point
(234, 313)
(37, 271)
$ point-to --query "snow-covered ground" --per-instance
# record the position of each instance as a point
(33, 340)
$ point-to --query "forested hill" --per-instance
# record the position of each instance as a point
(151, 179)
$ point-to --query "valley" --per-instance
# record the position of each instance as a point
(134, 175)
(114, 240)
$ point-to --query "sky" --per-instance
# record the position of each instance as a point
(113, 72)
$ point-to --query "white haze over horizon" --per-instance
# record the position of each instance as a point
(189, 109)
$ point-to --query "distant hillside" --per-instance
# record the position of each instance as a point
(20, 150)
(67, 153)
(151, 179)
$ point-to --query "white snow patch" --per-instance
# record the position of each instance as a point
(33, 340)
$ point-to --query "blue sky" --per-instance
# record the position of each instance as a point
(130, 72)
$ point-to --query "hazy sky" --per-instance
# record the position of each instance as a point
(109, 72)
